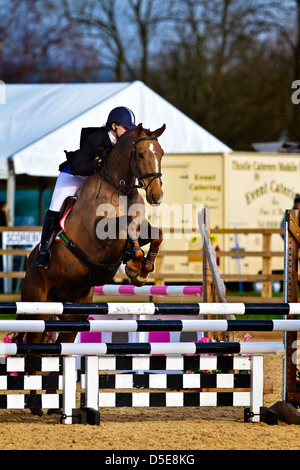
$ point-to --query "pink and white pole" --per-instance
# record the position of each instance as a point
(112, 289)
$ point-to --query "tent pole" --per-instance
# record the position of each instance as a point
(11, 188)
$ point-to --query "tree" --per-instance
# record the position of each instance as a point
(227, 64)
(230, 68)
(38, 44)
(147, 17)
(123, 31)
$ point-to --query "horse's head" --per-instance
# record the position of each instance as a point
(147, 155)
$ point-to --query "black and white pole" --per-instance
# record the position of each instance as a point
(148, 308)
(103, 326)
(66, 349)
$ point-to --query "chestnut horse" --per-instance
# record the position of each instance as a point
(103, 229)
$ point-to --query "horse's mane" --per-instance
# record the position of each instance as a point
(124, 139)
(129, 134)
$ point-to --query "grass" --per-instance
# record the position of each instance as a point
(251, 294)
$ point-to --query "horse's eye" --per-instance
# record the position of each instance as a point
(140, 155)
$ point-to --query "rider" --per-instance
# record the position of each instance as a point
(77, 168)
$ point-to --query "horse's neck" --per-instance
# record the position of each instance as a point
(118, 166)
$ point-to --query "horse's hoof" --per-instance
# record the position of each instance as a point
(136, 283)
(37, 412)
(131, 274)
(53, 411)
(139, 281)
(134, 277)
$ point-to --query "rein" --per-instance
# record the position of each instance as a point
(121, 183)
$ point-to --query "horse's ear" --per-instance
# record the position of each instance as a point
(159, 132)
(138, 130)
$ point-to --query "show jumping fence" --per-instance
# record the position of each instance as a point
(218, 389)
(187, 351)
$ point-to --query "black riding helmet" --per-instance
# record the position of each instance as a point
(123, 116)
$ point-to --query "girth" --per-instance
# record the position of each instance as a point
(98, 271)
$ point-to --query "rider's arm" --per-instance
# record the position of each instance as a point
(83, 160)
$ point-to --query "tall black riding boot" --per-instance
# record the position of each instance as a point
(49, 228)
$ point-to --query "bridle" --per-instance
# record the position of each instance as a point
(122, 184)
(140, 176)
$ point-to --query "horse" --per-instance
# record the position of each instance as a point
(101, 227)
(104, 227)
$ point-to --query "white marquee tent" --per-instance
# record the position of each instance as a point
(39, 121)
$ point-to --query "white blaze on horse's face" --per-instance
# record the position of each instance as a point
(156, 183)
(151, 148)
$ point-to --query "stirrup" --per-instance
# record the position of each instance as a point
(43, 259)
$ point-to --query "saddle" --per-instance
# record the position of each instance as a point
(67, 206)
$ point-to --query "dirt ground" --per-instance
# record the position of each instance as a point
(184, 429)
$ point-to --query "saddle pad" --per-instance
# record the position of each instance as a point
(62, 223)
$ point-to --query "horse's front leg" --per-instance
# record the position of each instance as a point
(134, 265)
(139, 268)
(156, 238)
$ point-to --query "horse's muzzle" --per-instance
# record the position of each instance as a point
(154, 195)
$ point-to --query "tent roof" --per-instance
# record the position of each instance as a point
(39, 121)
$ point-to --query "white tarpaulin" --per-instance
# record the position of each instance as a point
(38, 122)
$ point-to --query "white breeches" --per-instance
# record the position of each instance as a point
(66, 185)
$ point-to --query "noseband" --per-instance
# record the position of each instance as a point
(140, 176)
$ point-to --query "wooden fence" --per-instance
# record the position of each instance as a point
(159, 277)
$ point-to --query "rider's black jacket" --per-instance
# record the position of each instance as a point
(93, 149)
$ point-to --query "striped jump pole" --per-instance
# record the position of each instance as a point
(148, 308)
(112, 289)
(66, 349)
(103, 326)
